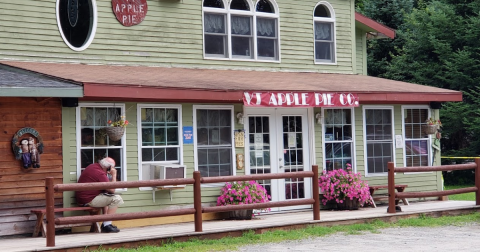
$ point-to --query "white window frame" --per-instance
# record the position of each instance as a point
(253, 14)
(79, 140)
(429, 140)
(354, 160)
(91, 34)
(331, 20)
(368, 107)
(139, 139)
(195, 145)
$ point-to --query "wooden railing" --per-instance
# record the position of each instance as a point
(196, 181)
(402, 195)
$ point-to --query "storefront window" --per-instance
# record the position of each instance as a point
(416, 142)
(379, 139)
(338, 132)
(94, 144)
(159, 131)
(214, 142)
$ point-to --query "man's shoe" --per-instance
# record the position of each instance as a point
(110, 229)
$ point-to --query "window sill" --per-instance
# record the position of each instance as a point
(242, 59)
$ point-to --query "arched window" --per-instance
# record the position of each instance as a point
(324, 33)
(77, 22)
(230, 31)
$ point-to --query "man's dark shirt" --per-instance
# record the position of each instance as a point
(93, 173)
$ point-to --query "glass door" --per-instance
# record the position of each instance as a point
(277, 142)
(293, 151)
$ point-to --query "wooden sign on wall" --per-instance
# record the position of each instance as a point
(130, 12)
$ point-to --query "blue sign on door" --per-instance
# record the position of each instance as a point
(187, 134)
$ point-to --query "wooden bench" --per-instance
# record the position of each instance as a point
(373, 189)
(41, 224)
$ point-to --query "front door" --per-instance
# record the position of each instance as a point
(277, 143)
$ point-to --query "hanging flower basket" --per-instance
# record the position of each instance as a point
(430, 129)
(115, 133)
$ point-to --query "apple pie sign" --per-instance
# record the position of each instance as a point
(130, 12)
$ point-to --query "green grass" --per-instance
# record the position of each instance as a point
(464, 196)
(248, 238)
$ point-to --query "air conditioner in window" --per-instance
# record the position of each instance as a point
(168, 172)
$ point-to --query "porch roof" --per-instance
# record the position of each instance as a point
(112, 82)
(16, 82)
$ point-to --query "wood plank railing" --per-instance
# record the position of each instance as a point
(196, 181)
(402, 195)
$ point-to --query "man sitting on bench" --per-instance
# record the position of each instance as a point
(100, 198)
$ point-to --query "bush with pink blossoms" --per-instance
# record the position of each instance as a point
(243, 192)
(337, 185)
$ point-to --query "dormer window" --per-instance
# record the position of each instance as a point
(230, 31)
(324, 33)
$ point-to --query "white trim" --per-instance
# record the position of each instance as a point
(251, 13)
(364, 130)
(91, 34)
(332, 20)
(79, 140)
(139, 138)
(429, 141)
(353, 141)
(195, 151)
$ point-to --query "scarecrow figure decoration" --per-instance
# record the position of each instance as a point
(34, 153)
(25, 153)
(28, 149)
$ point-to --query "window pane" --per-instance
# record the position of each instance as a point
(266, 27)
(266, 48)
(217, 130)
(239, 5)
(416, 142)
(379, 139)
(213, 3)
(323, 31)
(241, 25)
(241, 46)
(322, 11)
(93, 121)
(323, 50)
(265, 6)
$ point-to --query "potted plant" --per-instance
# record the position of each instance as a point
(116, 129)
(345, 188)
(243, 192)
(431, 126)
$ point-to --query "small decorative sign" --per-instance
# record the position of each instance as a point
(187, 135)
(239, 139)
(240, 161)
(130, 12)
(398, 141)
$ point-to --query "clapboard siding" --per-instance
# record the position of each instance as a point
(361, 52)
(22, 189)
(170, 35)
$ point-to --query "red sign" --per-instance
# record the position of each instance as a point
(130, 12)
(299, 99)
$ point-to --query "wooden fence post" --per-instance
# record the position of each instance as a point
(316, 195)
(391, 187)
(477, 181)
(197, 201)
(50, 201)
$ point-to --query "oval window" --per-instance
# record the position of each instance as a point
(77, 22)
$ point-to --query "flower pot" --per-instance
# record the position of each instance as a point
(430, 129)
(241, 214)
(348, 204)
(115, 133)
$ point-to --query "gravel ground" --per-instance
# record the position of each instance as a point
(445, 238)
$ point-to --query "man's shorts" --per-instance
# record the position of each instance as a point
(110, 200)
